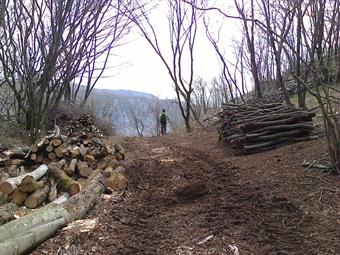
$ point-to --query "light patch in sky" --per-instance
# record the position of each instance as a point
(135, 65)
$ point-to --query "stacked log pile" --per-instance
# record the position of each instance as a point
(57, 167)
(254, 126)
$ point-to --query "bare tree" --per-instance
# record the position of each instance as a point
(201, 97)
(136, 122)
(155, 110)
(280, 23)
(229, 76)
(182, 25)
(44, 45)
(249, 33)
(110, 27)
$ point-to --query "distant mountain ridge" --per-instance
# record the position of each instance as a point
(133, 93)
(119, 106)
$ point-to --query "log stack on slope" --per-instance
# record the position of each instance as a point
(60, 166)
(250, 127)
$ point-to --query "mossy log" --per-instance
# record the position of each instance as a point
(108, 162)
(65, 181)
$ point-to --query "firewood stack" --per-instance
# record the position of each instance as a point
(59, 166)
(85, 123)
(255, 126)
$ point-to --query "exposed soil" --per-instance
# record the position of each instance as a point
(188, 194)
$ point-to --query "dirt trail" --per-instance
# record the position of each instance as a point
(187, 195)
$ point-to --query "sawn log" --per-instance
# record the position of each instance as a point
(23, 234)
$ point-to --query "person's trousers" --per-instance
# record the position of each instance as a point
(163, 129)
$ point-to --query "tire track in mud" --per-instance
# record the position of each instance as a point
(182, 194)
(186, 197)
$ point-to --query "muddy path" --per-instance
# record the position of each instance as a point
(186, 197)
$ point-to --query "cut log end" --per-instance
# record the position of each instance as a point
(72, 187)
(6, 188)
(18, 197)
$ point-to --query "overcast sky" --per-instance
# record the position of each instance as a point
(135, 66)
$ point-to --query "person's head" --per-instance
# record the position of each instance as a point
(163, 110)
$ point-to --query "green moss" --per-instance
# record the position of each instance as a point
(66, 183)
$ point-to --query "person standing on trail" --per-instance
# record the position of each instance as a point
(163, 120)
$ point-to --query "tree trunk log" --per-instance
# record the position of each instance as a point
(6, 212)
(59, 152)
(30, 187)
(35, 175)
(79, 204)
(19, 153)
(18, 197)
(275, 142)
(64, 180)
(8, 186)
(71, 168)
(56, 142)
(49, 147)
(37, 198)
(83, 169)
(52, 156)
(23, 234)
(3, 199)
(34, 156)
